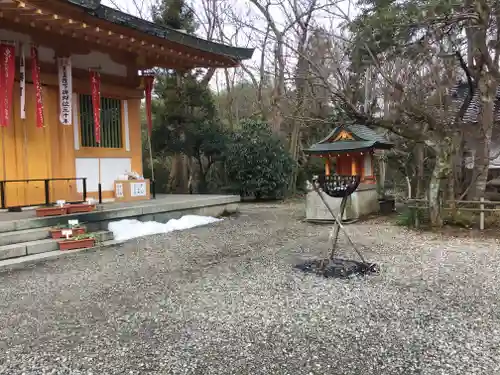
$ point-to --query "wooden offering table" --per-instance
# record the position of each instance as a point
(131, 190)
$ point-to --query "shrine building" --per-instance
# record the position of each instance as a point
(71, 91)
(348, 151)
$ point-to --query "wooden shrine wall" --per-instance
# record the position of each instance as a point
(27, 152)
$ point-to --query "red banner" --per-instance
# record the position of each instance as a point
(35, 74)
(148, 88)
(95, 82)
(8, 70)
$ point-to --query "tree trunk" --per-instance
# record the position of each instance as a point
(179, 179)
(486, 119)
(279, 87)
(455, 177)
(481, 166)
(451, 195)
(296, 125)
(294, 151)
(434, 197)
(301, 75)
(382, 168)
(420, 148)
(459, 167)
(442, 169)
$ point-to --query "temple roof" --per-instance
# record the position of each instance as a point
(96, 9)
(352, 137)
(471, 115)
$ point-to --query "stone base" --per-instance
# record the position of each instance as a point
(364, 201)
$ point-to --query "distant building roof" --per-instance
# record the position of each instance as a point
(471, 115)
(352, 137)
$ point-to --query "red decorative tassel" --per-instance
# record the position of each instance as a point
(8, 70)
(148, 88)
(95, 81)
(35, 74)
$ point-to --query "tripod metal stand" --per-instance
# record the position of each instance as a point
(337, 186)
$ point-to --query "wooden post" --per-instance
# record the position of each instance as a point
(354, 166)
(481, 214)
(327, 166)
(150, 147)
(368, 76)
(416, 213)
(3, 155)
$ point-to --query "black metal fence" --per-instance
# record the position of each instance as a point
(46, 187)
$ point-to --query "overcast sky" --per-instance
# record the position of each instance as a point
(247, 36)
(131, 6)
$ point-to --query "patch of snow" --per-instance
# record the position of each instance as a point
(124, 230)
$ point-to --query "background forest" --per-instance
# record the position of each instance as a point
(424, 73)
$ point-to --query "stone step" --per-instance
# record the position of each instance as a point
(27, 235)
(20, 262)
(160, 210)
(98, 218)
(40, 246)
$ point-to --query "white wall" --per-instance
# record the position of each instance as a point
(110, 169)
(89, 168)
(494, 157)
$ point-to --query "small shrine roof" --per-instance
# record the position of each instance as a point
(352, 137)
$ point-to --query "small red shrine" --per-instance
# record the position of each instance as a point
(348, 150)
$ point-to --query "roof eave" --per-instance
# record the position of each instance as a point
(373, 146)
(164, 34)
(329, 136)
(383, 145)
(344, 150)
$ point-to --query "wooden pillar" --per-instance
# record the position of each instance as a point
(327, 166)
(361, 158)
(338, 165)
(354, 165)
(368, 175)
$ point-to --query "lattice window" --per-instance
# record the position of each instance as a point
(111, 123)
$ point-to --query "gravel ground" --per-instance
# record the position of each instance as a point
(224, 299)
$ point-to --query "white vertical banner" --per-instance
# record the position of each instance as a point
(22, 82)
(65, 90)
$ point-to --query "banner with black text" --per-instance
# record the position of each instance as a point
(65, 90)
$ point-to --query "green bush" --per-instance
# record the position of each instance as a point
(407, 217)
(314, 166)
(257, 163)
(162, 167)
(492, 219)
(462, 219)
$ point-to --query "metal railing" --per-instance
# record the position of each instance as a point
(46, 187)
